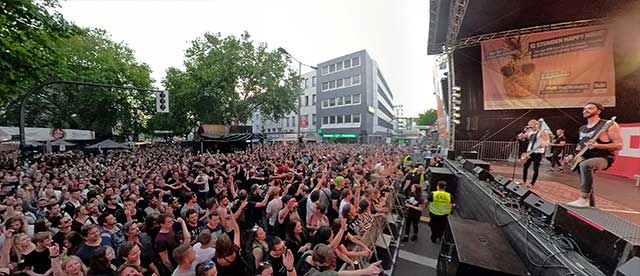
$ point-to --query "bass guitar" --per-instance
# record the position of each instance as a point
(578, 157)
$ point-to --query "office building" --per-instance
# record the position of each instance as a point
(354, 102)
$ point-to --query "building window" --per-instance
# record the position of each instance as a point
(347, 118)
(332, 102)
(339, 66)
(313, 99)
(325, 86)
(332, 119)
(356, 80)
(339, 83)
(340, 101)
(313, 119)
(332, 68)
(347, 63)
(325, 70)
(355, 61)
(356, 99)
(339, 119)
(306, 83)
(293, 121)
(347, 99)
(325, 120)
(347, 82)
(279, 129)
(306, 100)
(332, 84)
(287, 121)
(356, 118)
(313, 81)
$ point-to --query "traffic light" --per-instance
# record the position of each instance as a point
(162, 102)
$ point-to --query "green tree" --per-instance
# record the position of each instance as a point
(428, 117)
(29, 36)
(91, 56)
(227, 79)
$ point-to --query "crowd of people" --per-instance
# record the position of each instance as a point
(167, 210)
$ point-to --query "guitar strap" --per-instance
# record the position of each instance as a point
(533, 140)
(602, 123)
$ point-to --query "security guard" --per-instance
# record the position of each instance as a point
(406, 161)
(439, 208)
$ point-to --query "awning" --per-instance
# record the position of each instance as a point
(107, 144)
(229, 138)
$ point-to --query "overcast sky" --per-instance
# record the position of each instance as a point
(394, 32)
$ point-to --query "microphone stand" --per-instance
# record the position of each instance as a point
(516, 150)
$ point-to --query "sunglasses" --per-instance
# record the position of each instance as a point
(210, 264)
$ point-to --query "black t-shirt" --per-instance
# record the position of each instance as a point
(168, 242)
(246, 220)
(278, 266)
(138, 217)
(194, 231)
(39, 261)
(557, 140)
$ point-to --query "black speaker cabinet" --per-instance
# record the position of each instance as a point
(470, 164)
(482, 174)
(480, 249)
(503, 181)
(470, 154)
(540, 207)
(435, 174)
(631, 267)
(451, 155)
(518, 190)
(604, 238)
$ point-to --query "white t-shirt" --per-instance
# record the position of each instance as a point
(273, 208)
(203, 255)
(202, 179)
(310, 208)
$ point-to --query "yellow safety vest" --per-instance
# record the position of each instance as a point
(441, 204)
(407, 161)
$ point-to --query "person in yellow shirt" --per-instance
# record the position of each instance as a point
(441, 204)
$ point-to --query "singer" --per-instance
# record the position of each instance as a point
(535, 150)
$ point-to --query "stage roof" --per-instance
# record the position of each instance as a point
(491, 16)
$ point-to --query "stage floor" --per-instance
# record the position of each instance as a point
(614, 194)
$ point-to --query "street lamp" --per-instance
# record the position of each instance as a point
(284, 52)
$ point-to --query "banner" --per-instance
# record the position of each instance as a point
(442, 121)
(627, 162)
(557, 69)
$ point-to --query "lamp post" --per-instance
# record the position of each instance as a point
(284, 52)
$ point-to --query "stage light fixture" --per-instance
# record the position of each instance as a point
(456, 88)
(456, 121)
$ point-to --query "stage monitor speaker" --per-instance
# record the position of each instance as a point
(503, 181)
(540, 207)
(471, 247)
(518, 190)
(470, 154)
(604, 238)
(631, 267)
(459, 158)
(435, 174)
(451, 155)
(470, 164)
(482, 174)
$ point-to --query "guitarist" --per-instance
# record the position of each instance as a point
(535, 150)
(600, 154)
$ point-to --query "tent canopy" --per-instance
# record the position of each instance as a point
(107, 144)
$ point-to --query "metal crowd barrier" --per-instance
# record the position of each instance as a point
(497, 150)
(375, 236)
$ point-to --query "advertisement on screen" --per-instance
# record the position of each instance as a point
(556, 69)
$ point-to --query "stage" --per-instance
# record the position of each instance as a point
(534, 240)
(616, 195)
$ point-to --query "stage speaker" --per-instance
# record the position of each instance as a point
(604, 238)
(471, 247)
(482, 174)
(451, 155)
(459, 158)
(470, 164)
(503, 181)
(435, 174)
(540, 207)
(631, 267)
(518, 190)
(470, 154)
